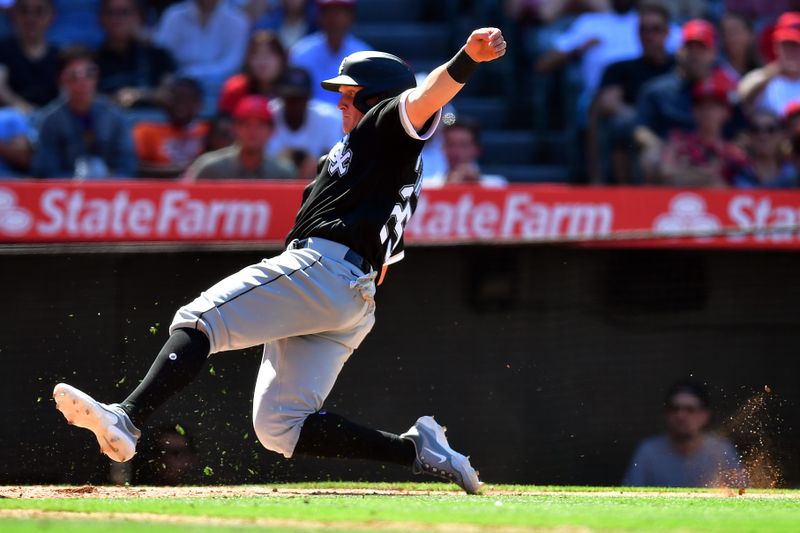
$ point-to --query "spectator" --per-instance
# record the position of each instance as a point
(322, 52)
(130, 69)
(619, 89)
(775, 85)
(165, 150)
(264, 63)
(291, 20)
(766, 39)
(253, 126)
(665, 102)
(462, 148)
(770, 166)
(207, 38)
(704, 158)
(686, 455)
(82, 135)
(76, 24)
(757, 10)
(305, 129)
(596, 39)
(220, 133)
(547, 11)
(28, 62)
(739, 51)
(15, 146)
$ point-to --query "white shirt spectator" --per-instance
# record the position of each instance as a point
(489, 181)
(779, 92)
(210, 52)
(321, 130)
(313, 54)
(618, 37)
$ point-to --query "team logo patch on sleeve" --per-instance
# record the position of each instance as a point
(339, 158)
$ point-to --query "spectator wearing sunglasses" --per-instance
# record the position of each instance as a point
(81, 134)
(686, 455)
(770, 159)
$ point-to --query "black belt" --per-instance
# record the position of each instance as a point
(351, 256)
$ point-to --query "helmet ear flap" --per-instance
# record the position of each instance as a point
(365, 102)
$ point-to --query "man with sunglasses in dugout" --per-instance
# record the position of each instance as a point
(686, 455)
(82, 135)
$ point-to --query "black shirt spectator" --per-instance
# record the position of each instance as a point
(28, 62)
(632, 74)
(33, 79)
(139, 66)
(130, 70)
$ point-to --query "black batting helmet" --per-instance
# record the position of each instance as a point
(380, 74)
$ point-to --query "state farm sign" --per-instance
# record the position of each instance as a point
(516, 215)
(174, 213)
(137, 211)
(116, 212)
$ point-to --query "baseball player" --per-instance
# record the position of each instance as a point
(312, 305)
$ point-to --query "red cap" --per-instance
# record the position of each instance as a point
(790, 19)
(792, 109)
(253, 106)
(701, 31)
(782, 35)
(718, 86)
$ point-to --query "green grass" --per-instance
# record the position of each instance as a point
(570, 506)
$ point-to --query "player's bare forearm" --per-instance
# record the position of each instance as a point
(439, 87)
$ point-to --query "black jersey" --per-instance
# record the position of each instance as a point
(368, 184)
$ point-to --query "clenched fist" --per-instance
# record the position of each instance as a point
(485, 44)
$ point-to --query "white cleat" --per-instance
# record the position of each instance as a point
(115, 433)
(435, 456)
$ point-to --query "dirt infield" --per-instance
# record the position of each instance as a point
(238, 491)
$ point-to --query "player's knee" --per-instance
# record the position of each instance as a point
(278, 429)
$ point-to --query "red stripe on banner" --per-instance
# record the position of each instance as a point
(145, 211)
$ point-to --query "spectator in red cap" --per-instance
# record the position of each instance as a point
(774, 9)
(322, 52)
(665, 103)
(245, 159)
(770, 162)
(703, 158)
(774, 86)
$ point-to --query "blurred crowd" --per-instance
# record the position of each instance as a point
(683, 93)
(195, 89)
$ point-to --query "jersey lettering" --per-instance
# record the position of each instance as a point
(401, 213)
(339, 158)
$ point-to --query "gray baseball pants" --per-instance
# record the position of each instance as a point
(310, 308)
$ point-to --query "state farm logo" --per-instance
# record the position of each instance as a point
(687, 216)
(14, 220)
(173, 214)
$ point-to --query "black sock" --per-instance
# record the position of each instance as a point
(329, 435)
(177, 364)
